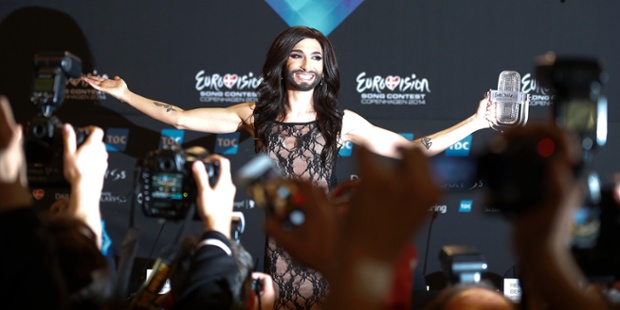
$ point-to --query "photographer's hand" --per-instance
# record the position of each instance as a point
(313, 243)
(541, 235)
(267, 294)
(13, 180)
(215, 205)
(388, 206)
(84, 169)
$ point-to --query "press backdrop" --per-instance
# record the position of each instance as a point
(414, 67)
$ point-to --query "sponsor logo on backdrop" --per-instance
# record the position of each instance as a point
(438, 208)
(392, 89)
(79, 90)
(463, 185)
(116, 139)
(58, 196)
(244, 204)
(108, 197)
(465, 206)
(227, 144)
(115, 174)
(460, 148)
(539, 96)
(347, 147)
(171, 138)
(227, 87)
(491, 210)
(407, 135)
(324, 15)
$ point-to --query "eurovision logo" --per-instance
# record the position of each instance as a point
(392, 89)
(539, 96)
(78, 90)
(227, 88)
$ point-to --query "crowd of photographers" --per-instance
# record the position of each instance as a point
(56, 262)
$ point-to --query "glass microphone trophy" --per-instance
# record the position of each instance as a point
(510, 105)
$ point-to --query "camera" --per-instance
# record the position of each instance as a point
(165, 183)
(280, 198)
(43, 143)
(578, 104)
(600, 259)
(515, 163)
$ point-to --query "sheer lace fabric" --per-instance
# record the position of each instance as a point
(296, 149)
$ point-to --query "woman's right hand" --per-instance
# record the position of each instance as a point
(116, 87)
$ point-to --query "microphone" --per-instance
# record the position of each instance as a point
(510, 104)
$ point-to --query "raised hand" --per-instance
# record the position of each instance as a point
(13, 181)
(11, 153)
(87, 163)
(215, 204)
(115, 87)
(485, 114)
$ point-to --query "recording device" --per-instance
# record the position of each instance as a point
(580, 108)
(257, 286)
(280, 198)
(600, 260)
(578, 103)
(462, 264)
(515, 163)
(165, 183)
(43, 141)
(514, 168)
(511, 104)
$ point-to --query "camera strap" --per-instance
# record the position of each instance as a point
(163, 269)
(128, 249)
(164, 265)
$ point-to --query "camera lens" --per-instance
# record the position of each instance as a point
(167, 164)
(39, 130)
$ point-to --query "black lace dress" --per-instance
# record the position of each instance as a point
(296, 149)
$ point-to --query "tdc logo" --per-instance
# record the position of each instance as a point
(407, 135)
(116, 139)
(171, 138)
(346, 149)
(227, 144)
(465, 206)
(460, 148)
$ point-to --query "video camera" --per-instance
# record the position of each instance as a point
(43, 134)
(165, 182)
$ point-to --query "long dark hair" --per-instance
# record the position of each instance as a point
(271, 104)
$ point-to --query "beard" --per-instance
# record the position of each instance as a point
(290, 79)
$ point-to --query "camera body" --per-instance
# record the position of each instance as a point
(515, 163)
(277, 196)
(43, 141)
(515, 166)
(166, 185)
(44, 149)
(578, 104)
